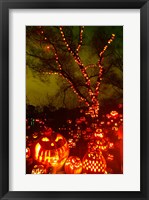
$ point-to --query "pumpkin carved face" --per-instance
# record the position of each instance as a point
(52, 151)
(94, 163)
(39, 169)
(73, 165)
(97, 145)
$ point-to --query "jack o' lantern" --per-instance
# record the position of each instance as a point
(28, 152)
(51, 151)
(97, 145)
(94, 163)
(73, 165)
(39, 169)
(114, 114)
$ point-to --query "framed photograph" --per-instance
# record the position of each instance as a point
(74, 99)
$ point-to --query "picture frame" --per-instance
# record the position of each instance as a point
(5, 6)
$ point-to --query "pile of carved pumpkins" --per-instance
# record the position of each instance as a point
(51, 151)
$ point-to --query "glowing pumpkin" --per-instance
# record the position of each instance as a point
(28, 152)
(51, 151)
(94, 163)
(35, 135)
(73, 165)
(39, 169)
(114, 114)
(97, 145)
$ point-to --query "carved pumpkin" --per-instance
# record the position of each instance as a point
(51, 151)
(35, 135)
(97, 145)
(39, 169)
(28, 152)
(87, 134)
(114, 114)
(73, 165)
(94, 163)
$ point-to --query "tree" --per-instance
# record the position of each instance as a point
(87, 64)
(80, 57)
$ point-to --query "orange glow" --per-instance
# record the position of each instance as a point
(54, 157)
(45, 139)
(101, 135)
(55, 160)
(110, 157)
(111, 145)
(28, 152)
(40, 158)
(94, 165)
(39, 169)
(114, 113)
(35, 135)
(47, 158)
(73, 165)
(37, 149)
(58, 138)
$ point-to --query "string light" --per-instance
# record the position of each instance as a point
(94, 104)
(101, 68)
(76, 56)
(80, 41)
(98, 80)
(106, 46)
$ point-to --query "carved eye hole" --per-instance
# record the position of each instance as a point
(45, 139)
(59, 137)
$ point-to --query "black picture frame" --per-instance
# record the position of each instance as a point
(5, 5)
